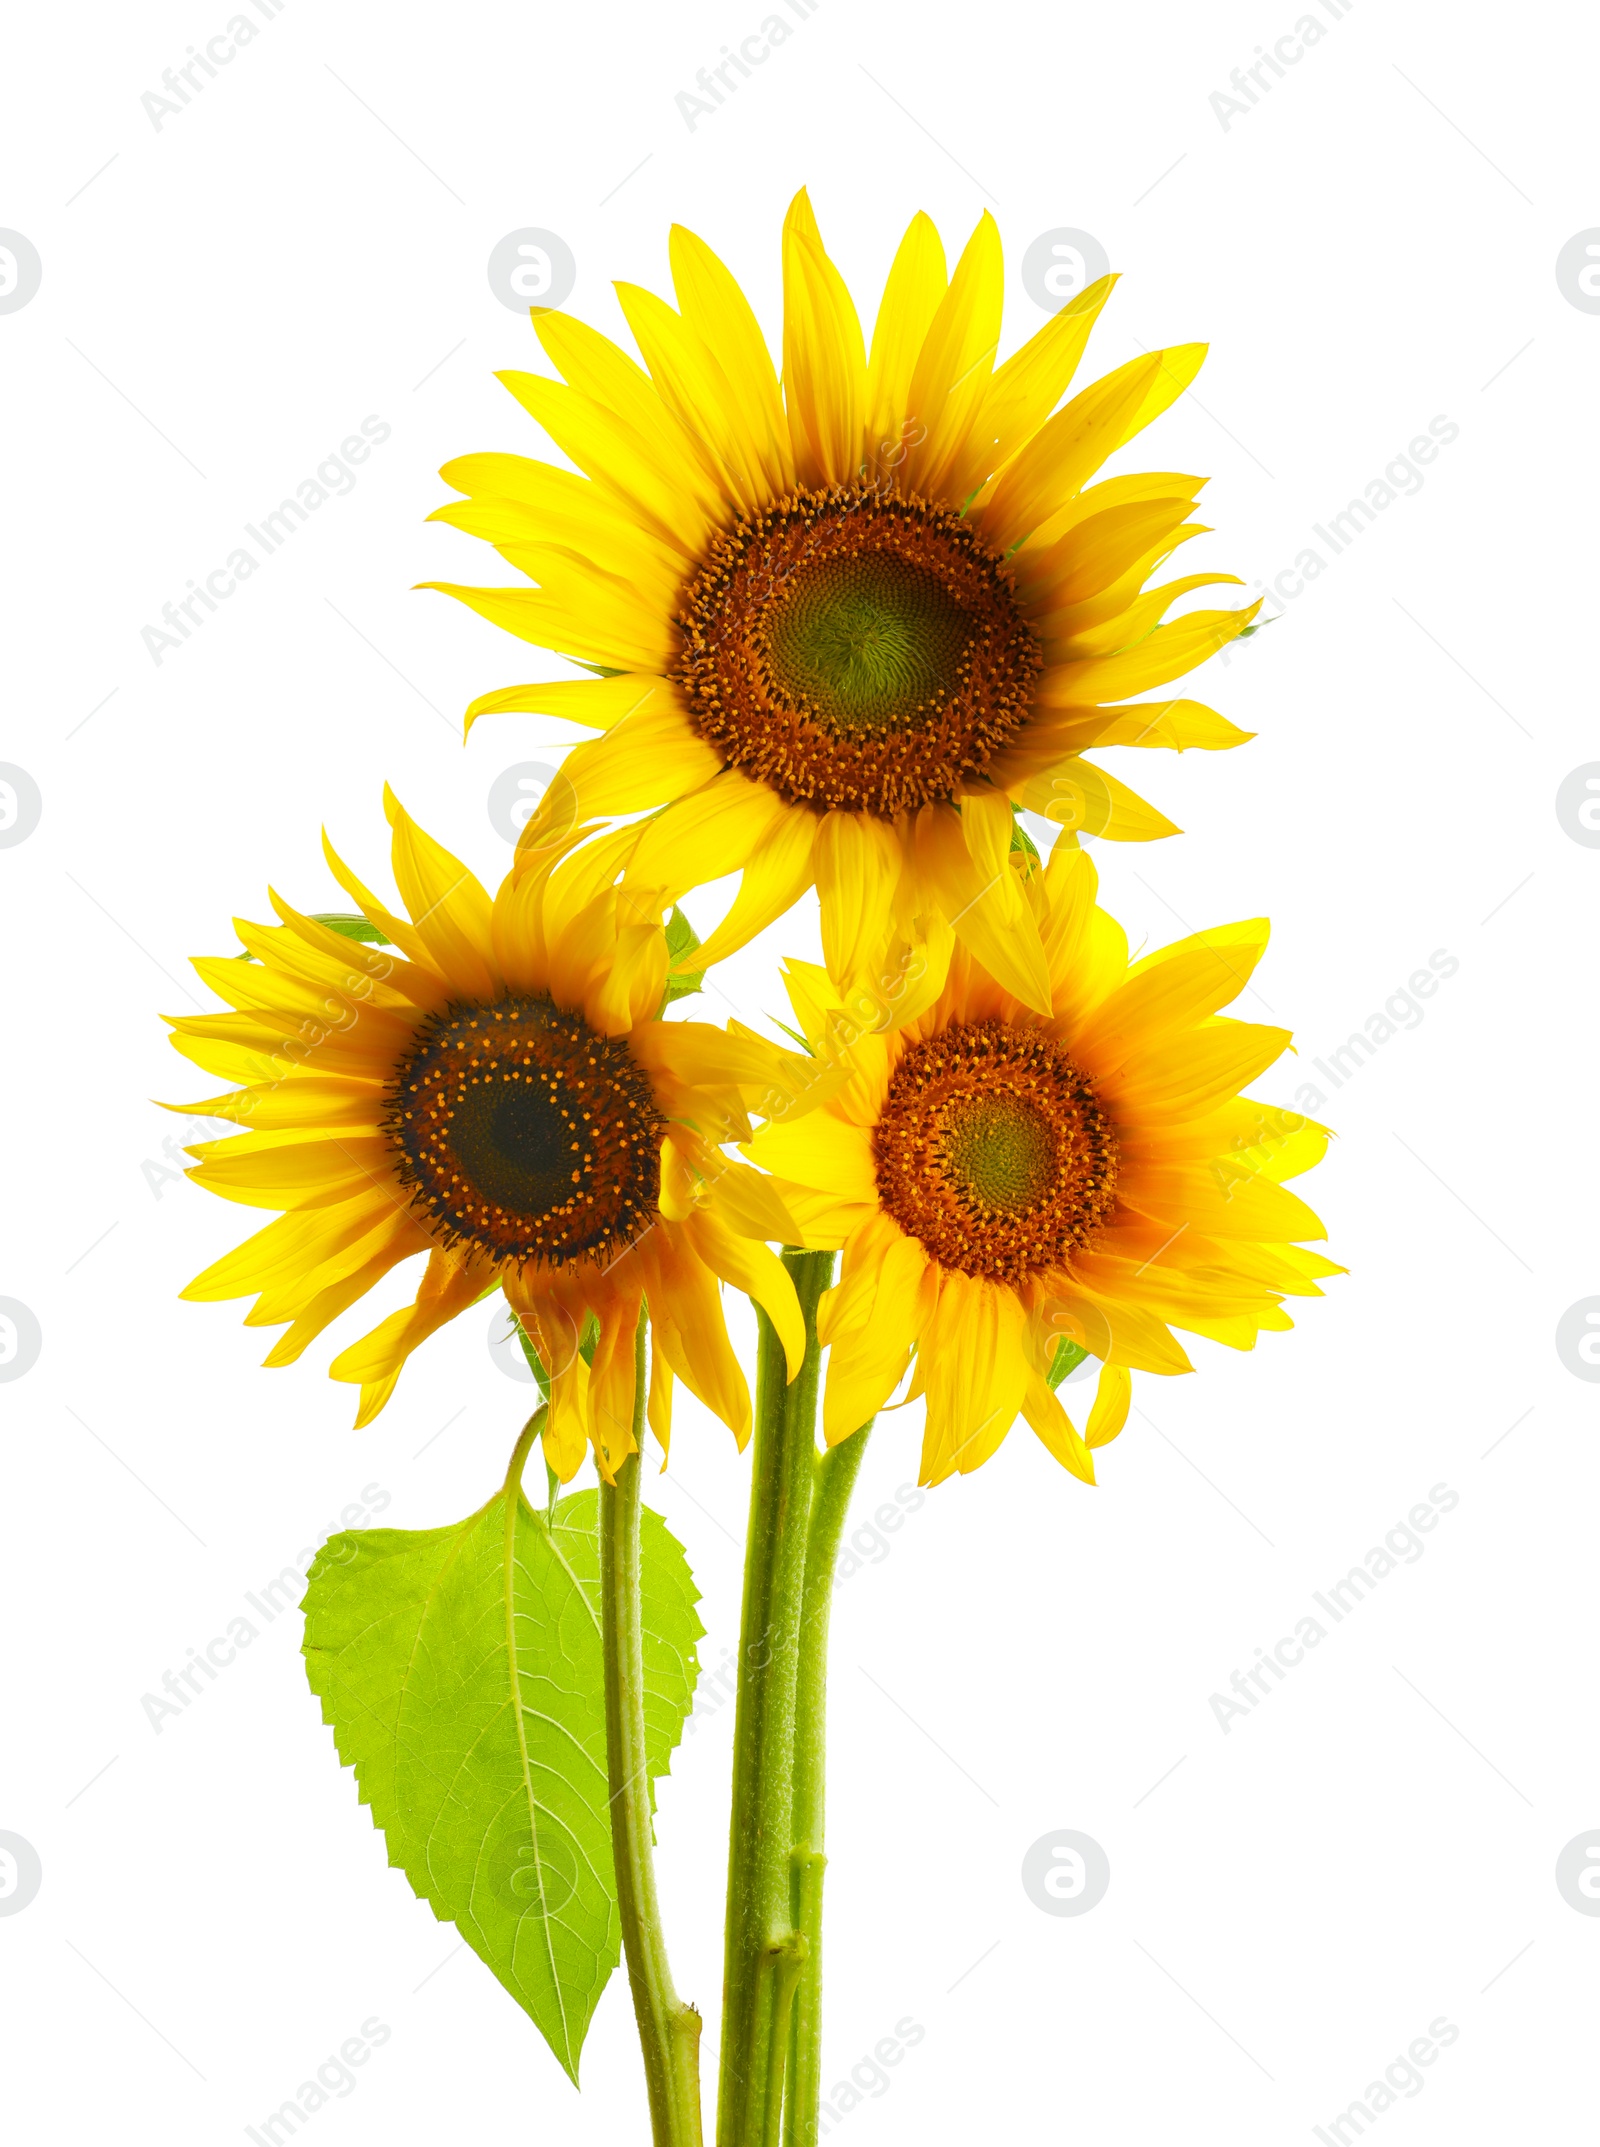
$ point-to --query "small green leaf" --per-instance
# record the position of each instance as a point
(460, 1670)
(682, 939)
(1069, 1355)
(1021, 839)
(795, 1033)
(351, 927)
(342, 922)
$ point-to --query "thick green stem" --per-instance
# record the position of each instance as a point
(762, 1947)
(835, 1480)
(669, 2030)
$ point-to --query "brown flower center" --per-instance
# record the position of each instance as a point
(524, 1133)
(855, 651)
(994, 1152)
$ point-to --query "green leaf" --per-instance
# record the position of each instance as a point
(342, 922)
(1069, 1355)
(351, 927)
(795, 1033)
(460, 1670)
(1021, 839)
(682, 939)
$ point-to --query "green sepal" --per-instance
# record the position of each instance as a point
(347, 925)
(1069, 1355)
(682, 939)
(1021, 839)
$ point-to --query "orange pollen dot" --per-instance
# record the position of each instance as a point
(856, 651)
(994, 1152)
(489, 1162)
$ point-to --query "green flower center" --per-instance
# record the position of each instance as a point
(1000, 1149)
(867, 641)
(856, 651)
(993, 1150)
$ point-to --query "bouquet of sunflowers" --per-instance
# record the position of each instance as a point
(844, 623)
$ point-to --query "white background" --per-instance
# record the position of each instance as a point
(1369, 247)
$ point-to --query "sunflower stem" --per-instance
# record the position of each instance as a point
(762, 1946)
(669, 2030)
(834, 1479)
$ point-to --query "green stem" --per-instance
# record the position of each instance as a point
(761, 1947)
(669, 2030)
(835, 1479)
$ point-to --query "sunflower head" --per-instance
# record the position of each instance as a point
(491, 1084)
(849, 622)
(1016, 1191)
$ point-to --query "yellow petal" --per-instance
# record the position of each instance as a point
(598, 703)
(1065, 453)
(447, 903)
(1081, 798)
(917, 282)
(1110, 1412)
(1025, 390)
(857, 861)
(777, 875)
(951, 377)
(821, 1151)
(1162, 656)
(719, 313)
(824, 362)
(711, 832)
(1055, 1430)
(750, 1267)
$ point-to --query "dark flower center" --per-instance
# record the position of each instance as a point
(523, 1132)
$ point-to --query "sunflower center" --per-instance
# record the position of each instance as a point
(994, 1152)
(857, 651)
(524, 1133)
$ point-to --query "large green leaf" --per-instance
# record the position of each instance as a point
(460, 1670)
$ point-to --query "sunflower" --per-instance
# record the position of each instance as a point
(1015, 1191)
(491, 1085)
(844, 626)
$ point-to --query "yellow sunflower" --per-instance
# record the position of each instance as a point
(846, 624)
(1014, 1191)
(494, 1088)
